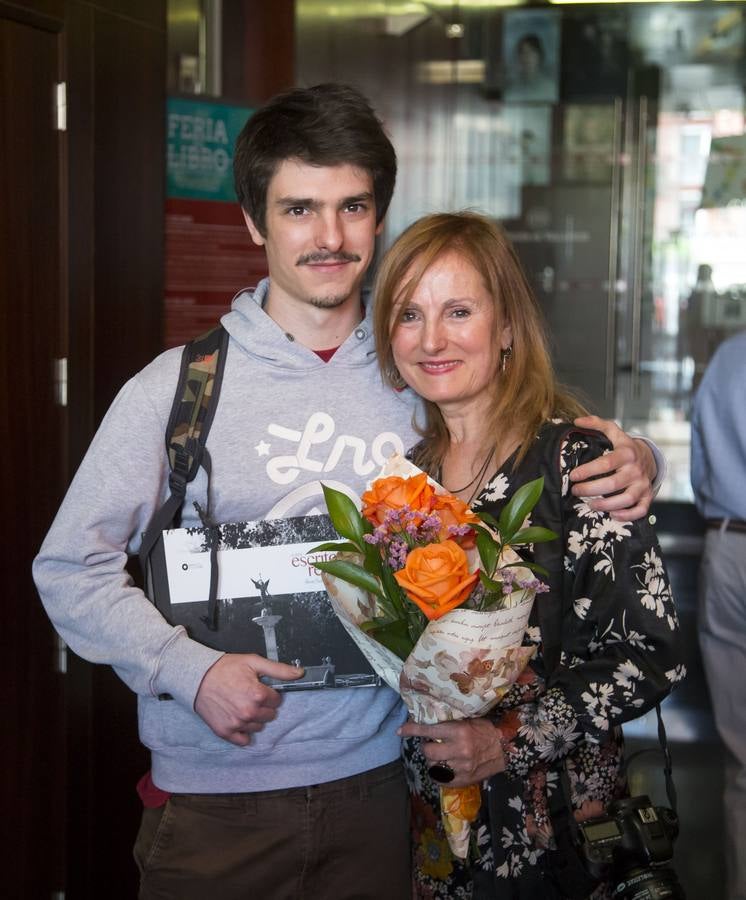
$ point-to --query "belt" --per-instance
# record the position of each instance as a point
(727, 524)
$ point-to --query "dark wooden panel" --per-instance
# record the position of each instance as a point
(269, 48)
(151, 13)
(234, 46)
(80, 224)
(129, 137)
(44, 14)
(31, 458)
(116, 113)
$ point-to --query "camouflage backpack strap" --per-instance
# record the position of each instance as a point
(194, 403)
(192, 412)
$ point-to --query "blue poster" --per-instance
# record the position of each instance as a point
(200, 136)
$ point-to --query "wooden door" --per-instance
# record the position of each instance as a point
(32, 441)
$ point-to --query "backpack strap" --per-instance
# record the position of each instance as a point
(192, 412)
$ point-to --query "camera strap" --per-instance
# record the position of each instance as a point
(667, 763)
(565, 865)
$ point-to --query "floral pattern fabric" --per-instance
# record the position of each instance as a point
(620, 655)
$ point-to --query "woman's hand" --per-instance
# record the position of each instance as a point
(471, 748)
(627, 472)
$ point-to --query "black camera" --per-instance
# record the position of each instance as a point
(631, 847)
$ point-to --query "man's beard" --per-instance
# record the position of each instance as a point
(330, 302)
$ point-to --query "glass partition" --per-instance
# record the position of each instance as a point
(608, 140)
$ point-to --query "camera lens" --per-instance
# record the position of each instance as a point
(649, 884)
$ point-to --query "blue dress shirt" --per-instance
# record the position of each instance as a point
(718, 466)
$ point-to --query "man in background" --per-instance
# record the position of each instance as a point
(719, 482)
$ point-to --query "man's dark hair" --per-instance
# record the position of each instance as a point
(324, 125)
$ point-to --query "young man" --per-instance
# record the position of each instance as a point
(301, 794)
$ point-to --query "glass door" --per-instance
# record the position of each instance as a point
(684, 269)
(609, 141)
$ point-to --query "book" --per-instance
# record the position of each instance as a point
(271, 599)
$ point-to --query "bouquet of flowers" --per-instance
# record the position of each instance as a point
(437, 599)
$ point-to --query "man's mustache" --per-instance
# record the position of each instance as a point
(320, 257)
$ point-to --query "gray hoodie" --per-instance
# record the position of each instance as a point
(285, 419)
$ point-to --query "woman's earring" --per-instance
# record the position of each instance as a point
(505, 357)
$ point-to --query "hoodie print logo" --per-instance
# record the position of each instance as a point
(319, 451)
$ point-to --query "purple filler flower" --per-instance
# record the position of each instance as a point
(397, 557)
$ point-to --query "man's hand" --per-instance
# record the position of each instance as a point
(471, 748)
(629, 470)
(232, 699)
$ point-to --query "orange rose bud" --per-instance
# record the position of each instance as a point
(436, 577)
(453, 511)
(462, 803)
(393, 493)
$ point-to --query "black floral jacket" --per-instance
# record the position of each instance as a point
(620, 654)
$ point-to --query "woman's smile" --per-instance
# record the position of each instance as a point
(439, 367)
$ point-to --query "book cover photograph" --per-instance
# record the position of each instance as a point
(271, 599)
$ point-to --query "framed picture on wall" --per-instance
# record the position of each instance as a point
(530, 54)
(588, 143)
(530, 142)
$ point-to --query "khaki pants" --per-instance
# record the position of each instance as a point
(342, 840)
(722, 637)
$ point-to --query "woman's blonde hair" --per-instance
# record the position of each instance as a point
(526, 393)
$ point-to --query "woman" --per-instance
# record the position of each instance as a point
(456, 321)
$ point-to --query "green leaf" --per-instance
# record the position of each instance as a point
(393, 635)
(393, 591)
(519, 506)
(341, 546)
(345, 516)
(488, 583)
(489, 552)
(416, 620)
(373, 561)
(491, 600)
(352, 573)
(488, 519)
(533, 535)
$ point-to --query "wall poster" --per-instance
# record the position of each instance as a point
(209, 254)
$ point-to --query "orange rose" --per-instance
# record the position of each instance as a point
(393, 493)
(436, 578)
(461, 803)
(453, 511)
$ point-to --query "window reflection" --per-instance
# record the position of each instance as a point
(622, 186)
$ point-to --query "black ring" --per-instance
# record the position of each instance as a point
(441, 772)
